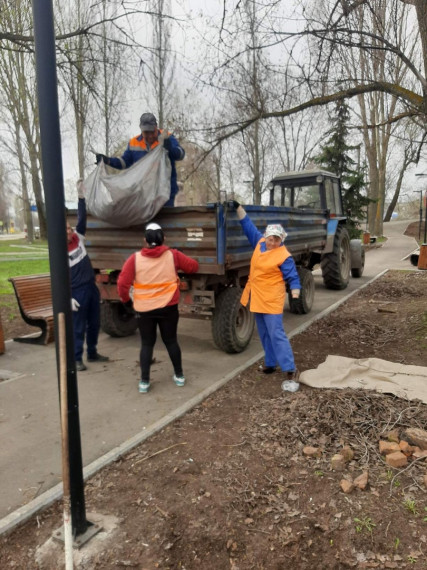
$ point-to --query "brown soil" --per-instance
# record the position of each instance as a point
(415, 230)
(11, 320)
(228, 487)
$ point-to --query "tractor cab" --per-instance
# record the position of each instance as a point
(308, 189)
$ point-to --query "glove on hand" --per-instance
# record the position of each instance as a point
(102, 157)
(75, 305)
(129, 305)
(167, 144)
(235, 204)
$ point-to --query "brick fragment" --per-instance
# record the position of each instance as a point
(311, 451)
(387, 447)
(338, 462)
(362, 481)
(406, 448)
(396, 459)
(346, 486)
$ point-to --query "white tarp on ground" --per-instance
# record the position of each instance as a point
(403, 380)
(132, 196)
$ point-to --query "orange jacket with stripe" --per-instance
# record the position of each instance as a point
(137, 148)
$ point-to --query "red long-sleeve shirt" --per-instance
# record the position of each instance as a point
(127, 275)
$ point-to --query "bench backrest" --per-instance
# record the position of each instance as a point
(33, 291)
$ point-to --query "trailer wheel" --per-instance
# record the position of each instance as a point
(232, 323)
(336, 265)
(303, 304)
(357, 258)
(116, 320)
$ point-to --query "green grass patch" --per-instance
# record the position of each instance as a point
(22, 246)
(15, 268)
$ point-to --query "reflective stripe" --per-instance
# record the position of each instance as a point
(123, 163)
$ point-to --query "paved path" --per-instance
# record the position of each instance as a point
(111, 409)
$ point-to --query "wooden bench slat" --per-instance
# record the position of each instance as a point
(34, 296)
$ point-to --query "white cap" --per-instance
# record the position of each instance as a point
(275, 230)
(153, 226)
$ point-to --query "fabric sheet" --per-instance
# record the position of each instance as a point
(132, 196)
(402, 380)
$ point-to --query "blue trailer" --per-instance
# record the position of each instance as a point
(212, 234)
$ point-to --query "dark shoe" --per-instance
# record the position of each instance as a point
(97, 358)
(80, 366)
(293, 375)
(269, 369)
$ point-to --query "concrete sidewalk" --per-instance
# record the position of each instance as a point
(113, 415)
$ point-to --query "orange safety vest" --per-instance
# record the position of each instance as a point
(155, 281)
(265, 287)
(138, 144)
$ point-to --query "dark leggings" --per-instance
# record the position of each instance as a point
(167, 319)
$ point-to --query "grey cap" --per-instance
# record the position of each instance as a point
(148, 122)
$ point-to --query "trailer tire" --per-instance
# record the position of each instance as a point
(232, 323)
(304, 303)
(357, 258)
(116, 320)
(336, 265)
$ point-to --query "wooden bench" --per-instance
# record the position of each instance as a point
(34, 296)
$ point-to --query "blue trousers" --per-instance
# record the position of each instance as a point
(274, 341)
(86, 320)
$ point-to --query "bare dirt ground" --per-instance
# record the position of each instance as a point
(228, 485)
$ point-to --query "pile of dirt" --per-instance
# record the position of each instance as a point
(415, 230)
(229, 485)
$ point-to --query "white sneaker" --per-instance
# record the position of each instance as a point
(179, 380)
(143, 387)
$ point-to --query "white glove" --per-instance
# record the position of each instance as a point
(75, 305)
(295, 293)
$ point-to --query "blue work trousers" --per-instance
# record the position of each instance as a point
(274, 341)
(87, 319)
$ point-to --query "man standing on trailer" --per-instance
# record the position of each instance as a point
(142, 144)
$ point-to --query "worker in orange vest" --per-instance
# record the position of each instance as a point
(271, 266)
(142, 144)
(152, 273)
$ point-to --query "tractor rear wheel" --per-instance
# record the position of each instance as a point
(336, 265)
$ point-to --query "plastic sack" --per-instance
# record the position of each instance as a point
(134, 195)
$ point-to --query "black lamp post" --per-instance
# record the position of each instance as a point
(57, 239)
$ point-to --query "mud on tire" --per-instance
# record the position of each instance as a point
(232, 323)
(116, 320)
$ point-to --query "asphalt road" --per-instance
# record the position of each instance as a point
(113, 415)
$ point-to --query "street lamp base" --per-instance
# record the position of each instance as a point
(81, 539)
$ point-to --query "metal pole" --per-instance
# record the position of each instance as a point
(56, 223)
(68, 530)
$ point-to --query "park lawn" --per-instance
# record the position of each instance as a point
(22, 246)
(21, 267)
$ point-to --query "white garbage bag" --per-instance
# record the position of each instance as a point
(132, 196)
